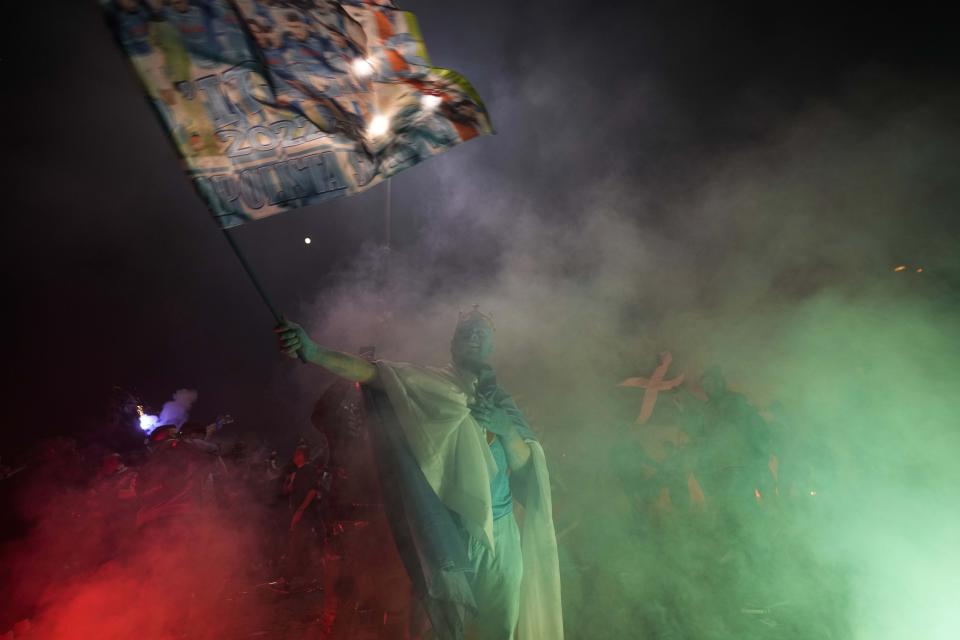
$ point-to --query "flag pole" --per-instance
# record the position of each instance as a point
(250, 274)
(256, 282)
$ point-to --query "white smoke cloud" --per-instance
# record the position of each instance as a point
(176, 411)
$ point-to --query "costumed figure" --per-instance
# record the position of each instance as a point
(453, 451)
(735, 448)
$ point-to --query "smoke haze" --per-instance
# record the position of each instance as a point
(775, 262)
(728, 183)
(176, 411)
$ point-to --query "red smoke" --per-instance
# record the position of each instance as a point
(84, 570)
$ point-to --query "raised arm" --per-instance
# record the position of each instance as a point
(293, 341)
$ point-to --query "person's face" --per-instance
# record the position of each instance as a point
(472, 343)
(713, 384)
(297, 29)
(299, 458)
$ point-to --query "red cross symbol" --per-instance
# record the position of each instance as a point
(653, 386)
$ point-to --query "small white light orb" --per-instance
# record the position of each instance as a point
(362, 68)
(378, 126)
(430, 102)
(307, 240)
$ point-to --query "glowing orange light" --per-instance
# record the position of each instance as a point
(919, 269)
(900, 267)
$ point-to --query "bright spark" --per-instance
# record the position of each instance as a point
(900, 267)
(430, 102)
(307, 241)
(378, 126)
(148, 422)
(362, 68)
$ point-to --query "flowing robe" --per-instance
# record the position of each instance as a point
(435, 467)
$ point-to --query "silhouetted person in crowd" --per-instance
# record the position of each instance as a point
(301, 490)
(734, 450)
(170, 482)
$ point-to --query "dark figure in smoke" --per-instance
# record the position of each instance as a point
(362, 570)
(301, 491)
(733, 448)
(450, 445)
(170, 485)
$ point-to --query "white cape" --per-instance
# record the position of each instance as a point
(452, 451)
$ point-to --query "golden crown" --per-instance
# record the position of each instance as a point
(475, 314)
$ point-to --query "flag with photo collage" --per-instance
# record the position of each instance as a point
(278, 104)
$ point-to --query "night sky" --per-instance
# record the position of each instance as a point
(116, 275)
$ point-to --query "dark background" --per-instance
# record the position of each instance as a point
(114, 274)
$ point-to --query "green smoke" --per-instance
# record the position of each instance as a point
(778, 266)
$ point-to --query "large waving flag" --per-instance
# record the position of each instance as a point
(278, 104)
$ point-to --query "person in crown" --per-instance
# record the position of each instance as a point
(454, 454)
